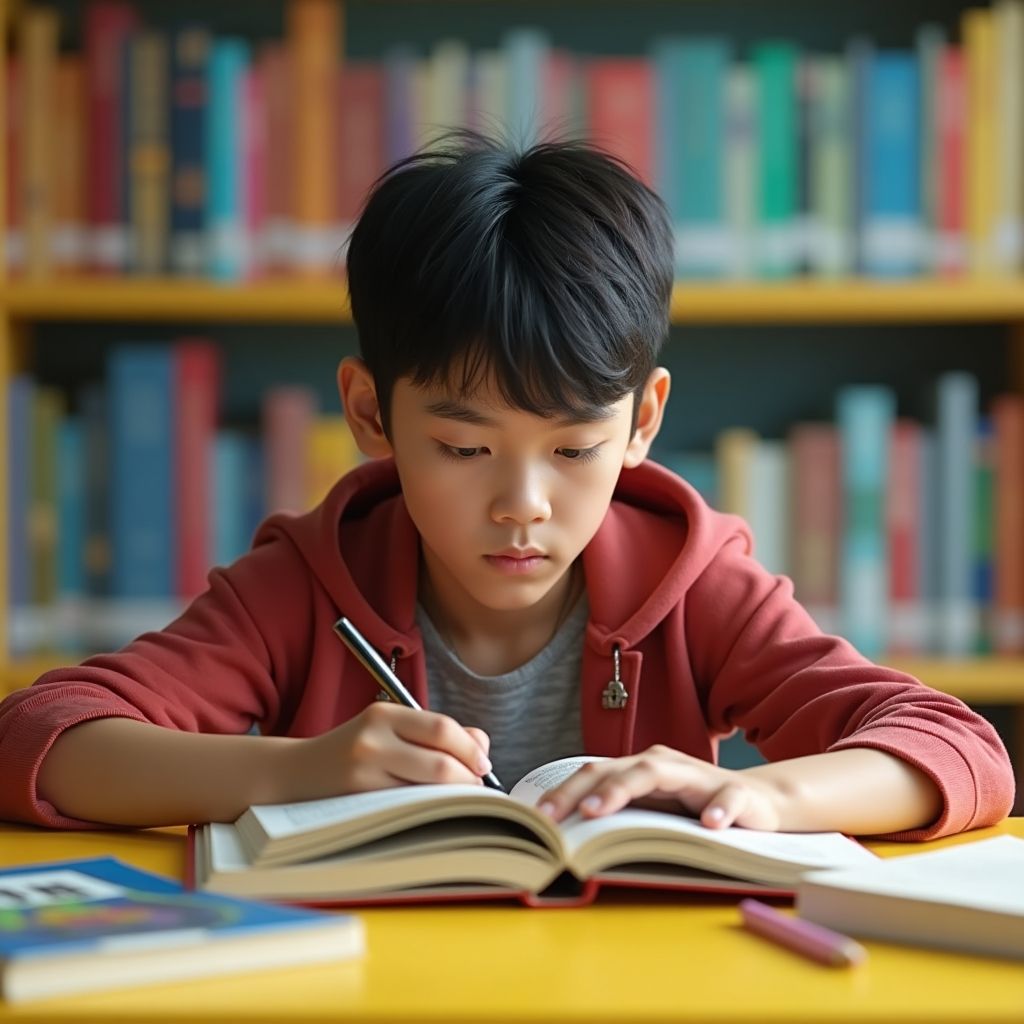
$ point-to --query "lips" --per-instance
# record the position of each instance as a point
(518, 553)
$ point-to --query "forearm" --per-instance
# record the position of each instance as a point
(857, 791)
(121, 772)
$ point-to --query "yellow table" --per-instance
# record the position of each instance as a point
(641, 960)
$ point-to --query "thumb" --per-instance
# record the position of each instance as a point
(482, 739)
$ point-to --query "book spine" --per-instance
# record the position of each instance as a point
(14, 240)
(564, 101)
(864, 416)
(97, 554)
(196, 387)
(769, 505)
(360, 123)
(70, 533)
(275, 245)
(447, 82)
(254, 164)
(734, 456)
(69, 239)
(983, 538)
(859, 57)
(330, 453)
(525, 54)
(891, 226)
(488, 113)
(816, 502)
(225, 203)
(314, 41)
(739, 170)
(951, 113)
(20, 399)
(288, 414)
(107, 23)
(1008, 18)
(620, 101)
(982, 172)
(956, 427)
(778, 243)
(907, 624)
(39, 37)
(1008, 612)
(142, 534)
(929, 44)
(228, 514)
(47, 411)
(190, 56)
(400, 67)
(149, 151)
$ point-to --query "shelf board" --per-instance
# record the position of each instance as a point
(975, 680)
(295, 300)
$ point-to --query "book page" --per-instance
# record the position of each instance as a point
(532, 786)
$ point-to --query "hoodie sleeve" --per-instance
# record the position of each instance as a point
(767, 669)
(211, 670)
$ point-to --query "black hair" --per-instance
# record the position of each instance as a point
(549, 268)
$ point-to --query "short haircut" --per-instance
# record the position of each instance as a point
(546, 270)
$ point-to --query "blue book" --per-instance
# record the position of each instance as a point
(956, 430)
(691, 78)
(230, 518)
(224, 161)
(859, 56)
(891, 226)
(190, 52)
(141, 386)
(256, 487)
(71, 585)
(525, 51)
(864, 415)
(87, 925)
(20, 400)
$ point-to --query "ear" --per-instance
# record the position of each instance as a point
(362, 411)
(649, 416)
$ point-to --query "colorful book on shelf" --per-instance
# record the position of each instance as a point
(449, 842)
(966, 898)
(891, 218)
(76, 926)
(18, 429)
(288, 415)
(190, 54)
(14, 237)
(71, 488)
(769, 510)
(907, 624)
(929, 44)
(620, 102)
(1008, 16)
(69, 236)
(330, 453)
(983, 536)
(864, 415)
(1008, 610)
(526, 53)
(359, 125)
(951, 105)
(740, 167)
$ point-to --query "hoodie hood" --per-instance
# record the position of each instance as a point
(657, 537)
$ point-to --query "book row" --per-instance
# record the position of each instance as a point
(903, 536)
(183, 151)
(119, 505)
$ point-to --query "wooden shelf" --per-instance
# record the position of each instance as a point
(289, 300)
(977, 680)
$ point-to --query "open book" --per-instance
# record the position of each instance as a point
(451, 842)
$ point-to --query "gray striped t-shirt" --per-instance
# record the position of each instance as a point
(532, 714)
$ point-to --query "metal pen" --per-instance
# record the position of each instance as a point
(389, 682)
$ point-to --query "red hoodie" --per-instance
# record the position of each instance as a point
(709, 642)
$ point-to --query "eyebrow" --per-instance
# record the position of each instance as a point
(448, 409)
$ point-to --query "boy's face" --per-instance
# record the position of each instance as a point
(504, 501)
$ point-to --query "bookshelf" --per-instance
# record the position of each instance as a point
(77, 299)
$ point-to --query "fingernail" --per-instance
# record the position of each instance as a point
(591, 803)
(547, 808)
(483, 766)
(716, 813)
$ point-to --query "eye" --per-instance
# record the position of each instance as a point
(579, 454)
(458, 454)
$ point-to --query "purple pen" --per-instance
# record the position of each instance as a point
(812, 940)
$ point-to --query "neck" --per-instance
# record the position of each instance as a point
(492, 641)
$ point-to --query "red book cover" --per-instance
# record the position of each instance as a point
(196, 387)
(288, 414)
(108, 23)
(1008, 564)
(951, 114)
(360, 119)
(816, 519)
(620, 95)
(902, 523)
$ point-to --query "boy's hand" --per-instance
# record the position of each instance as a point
(660, 776)
(389, 745)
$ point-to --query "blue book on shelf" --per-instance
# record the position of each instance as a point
(86, 925)
(859, 56)
(190, 51)
(20, 400)
(956, 398)
(141, 392)
(691, 75)
(525, 52)
(224, 160)
(230, 518)
(71, 585)
(864, 415)
(891, 226)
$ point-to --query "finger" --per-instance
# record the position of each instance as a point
(482, 739)
(684, 782)
(444, 735)
(725, 807)
(562, 799)
(413, 764)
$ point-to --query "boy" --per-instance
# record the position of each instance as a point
(538, 585)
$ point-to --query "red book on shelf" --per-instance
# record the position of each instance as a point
(1008, 618)
(275, 244)
(620, 98)
(907, 625)
(288, 414)
(360, 121)
(951, 116)
(108, 24)
(196, 387)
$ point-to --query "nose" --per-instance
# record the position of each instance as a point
(521, 497)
